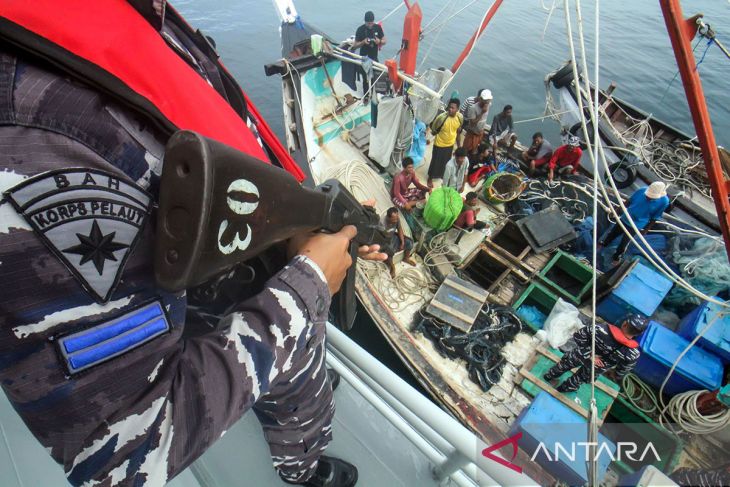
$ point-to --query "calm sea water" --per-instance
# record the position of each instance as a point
(511, 59)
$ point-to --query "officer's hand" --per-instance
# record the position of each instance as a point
(599, 362)
(331, 252)
(371, 252)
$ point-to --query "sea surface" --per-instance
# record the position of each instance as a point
(512, 57)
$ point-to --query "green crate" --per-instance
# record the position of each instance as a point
(582, 396)
(668, 445)
(569, 277)
(538, 296)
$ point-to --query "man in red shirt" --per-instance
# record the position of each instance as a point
(566, 158)
(404, 196)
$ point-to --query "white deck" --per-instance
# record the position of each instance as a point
(361, 435)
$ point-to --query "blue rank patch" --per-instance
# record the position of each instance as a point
(110, 339)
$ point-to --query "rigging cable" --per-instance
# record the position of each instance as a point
(646, 251)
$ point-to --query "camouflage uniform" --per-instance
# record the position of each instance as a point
(613, 354)
(144, 414)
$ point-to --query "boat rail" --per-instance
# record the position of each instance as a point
(454, 450)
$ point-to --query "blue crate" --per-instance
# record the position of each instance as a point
(717, 338)
(641, 291)
(562, 433)
(660, 347)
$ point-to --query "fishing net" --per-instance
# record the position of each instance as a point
(481, 346)
(704, 264)
(574, 197)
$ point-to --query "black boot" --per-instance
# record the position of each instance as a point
(333, 472)
(567, 386)
(551, 374)
(334, 378)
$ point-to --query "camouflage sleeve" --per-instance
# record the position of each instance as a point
(582, 338)
(92, 354)
(626, 361)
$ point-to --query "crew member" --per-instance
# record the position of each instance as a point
(502, 129)
(446, 127)
(539, 153)
(399, 241)
(403, 195)
(645, 207)
(455, 173)
(370, 38)
(467, 219)
(110, 372)
(475, 121)
(616, 348)
(566, 159)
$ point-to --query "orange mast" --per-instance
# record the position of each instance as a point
(681, 33)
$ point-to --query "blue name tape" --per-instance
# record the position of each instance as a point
(110, 339)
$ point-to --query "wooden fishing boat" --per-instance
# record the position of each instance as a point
(333, 129)
(329, 135)
(640, 148)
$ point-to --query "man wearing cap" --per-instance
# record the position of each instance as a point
(645, 207)
(474, 121)
(566, 158)
(616, 348)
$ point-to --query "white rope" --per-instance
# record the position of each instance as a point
(397, 7)
(683, 409)
(543, 117)
(425, 31)
(468, 54)
(438, 34)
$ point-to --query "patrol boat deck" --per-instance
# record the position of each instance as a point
(379, 426)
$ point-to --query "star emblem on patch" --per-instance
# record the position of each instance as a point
(96, 247)
(89, 219)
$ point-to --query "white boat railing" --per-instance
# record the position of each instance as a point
(450, 446)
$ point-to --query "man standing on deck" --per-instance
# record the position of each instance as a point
(122, 382)
(475, 121)
(502, 129)
(446, 127)
(616, 348)
(646, 206)
(403, 195)
(566, 159)
(456, 168)
(370, 38)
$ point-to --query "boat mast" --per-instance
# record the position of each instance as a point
(475, 37)
(681, 33)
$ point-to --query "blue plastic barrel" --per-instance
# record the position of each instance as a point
(555, 436)
(717, 338)
(661, 347)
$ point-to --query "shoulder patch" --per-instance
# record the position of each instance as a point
(112, 338)
(89, 219)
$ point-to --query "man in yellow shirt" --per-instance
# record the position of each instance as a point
(446, 127)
